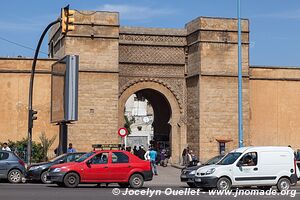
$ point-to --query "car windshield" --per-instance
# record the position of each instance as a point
(85, 156)
(213, 160)
(229, 159)
(57, 158)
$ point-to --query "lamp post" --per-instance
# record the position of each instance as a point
(240, 78)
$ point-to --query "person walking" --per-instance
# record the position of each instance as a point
(146, 155)
(135, 151)
(5, 147)
(153, 156)
(189, 162)
(141, 153)
(184, 157)
(71, 149)
(163, 158)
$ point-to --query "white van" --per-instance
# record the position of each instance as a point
(251, 166)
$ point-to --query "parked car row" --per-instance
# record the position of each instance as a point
(104, 166)
(12, 167)
(262, 167)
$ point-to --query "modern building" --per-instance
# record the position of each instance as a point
(139, 114)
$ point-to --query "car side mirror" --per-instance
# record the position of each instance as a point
(61, 161)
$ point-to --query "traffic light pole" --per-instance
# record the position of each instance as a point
(30, 110)
(240, 79)
(63, 138)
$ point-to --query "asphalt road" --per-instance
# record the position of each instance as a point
(164, 186)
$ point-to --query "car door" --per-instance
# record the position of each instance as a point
(96, 169)
(120, 166)
(3, 163)
(246, 172)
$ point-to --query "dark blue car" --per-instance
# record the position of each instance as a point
(188, 173)
(38, 172)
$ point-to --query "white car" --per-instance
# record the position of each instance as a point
(251, 166)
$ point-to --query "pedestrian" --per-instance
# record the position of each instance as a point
(298, 155)
(153, 157)
(128, 149)
(5, 147)
(71, 149)
(141, 153)
(123, 147)
(163, 158)
(184, 157)
(135, 151)
(146, 155)
(189, 162)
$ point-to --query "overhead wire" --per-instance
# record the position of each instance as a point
(21, 45)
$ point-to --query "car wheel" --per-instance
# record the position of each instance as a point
(15, 176)
(44, 178)
(71, 180)
(136, 181)
(283, 184)
(223, 184)
(192, 185)
(123, 185)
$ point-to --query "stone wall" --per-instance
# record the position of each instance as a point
(275, 106)
(14, 81)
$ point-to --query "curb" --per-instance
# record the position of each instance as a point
(177, 166)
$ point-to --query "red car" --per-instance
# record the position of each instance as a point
(104, 166)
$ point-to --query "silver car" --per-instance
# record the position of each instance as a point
(12, 167)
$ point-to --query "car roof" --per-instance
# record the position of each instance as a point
(262, 148)
(113, 150)
(7, 151)
(76, 153)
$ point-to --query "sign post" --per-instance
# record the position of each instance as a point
(123, 132)
(64, 96)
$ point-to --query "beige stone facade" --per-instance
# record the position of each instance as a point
(193, 70)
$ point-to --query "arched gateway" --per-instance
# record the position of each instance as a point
(167, 113)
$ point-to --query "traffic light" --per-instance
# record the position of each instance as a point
(32, 117)
(67, 20)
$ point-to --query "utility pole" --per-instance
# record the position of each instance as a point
(240, 78)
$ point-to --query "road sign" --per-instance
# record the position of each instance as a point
(122, 132)
(64, 89)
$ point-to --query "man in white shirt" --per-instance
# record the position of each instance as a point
(147, 156)
(5, 147)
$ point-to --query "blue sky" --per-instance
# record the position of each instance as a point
(274, 24)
